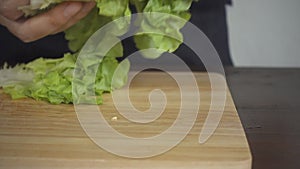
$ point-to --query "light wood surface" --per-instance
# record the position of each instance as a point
(35, 134)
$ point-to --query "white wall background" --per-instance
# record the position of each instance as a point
(265, 33)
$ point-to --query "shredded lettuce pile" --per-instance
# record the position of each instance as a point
(51, 79)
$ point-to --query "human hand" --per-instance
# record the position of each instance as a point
(55, 20)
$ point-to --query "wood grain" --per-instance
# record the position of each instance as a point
(35, 134)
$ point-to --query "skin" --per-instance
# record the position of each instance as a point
(51, 22)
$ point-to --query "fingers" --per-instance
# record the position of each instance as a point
(9, 8)
(56, 20)
(87, 7)
(45, 23)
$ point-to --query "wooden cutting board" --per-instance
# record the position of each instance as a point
(35, 134)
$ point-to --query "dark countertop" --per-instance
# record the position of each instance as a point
(268, 102)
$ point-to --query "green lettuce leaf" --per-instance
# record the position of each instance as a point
(79, 33)
(52, 80)
(164, 30)
(107, 11)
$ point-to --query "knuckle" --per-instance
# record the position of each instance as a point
(25, 39)
(77, 18)
(23, 36)
(8, 9)
(55, 21)
(3, 7)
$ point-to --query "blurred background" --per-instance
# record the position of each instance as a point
(264, 33)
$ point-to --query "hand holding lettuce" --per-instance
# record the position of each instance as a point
(50, 19)
(51, 79)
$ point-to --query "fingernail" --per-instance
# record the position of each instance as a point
(72, 8)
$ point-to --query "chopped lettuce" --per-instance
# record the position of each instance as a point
(52, 80)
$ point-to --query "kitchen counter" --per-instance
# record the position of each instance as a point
(268, 103)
